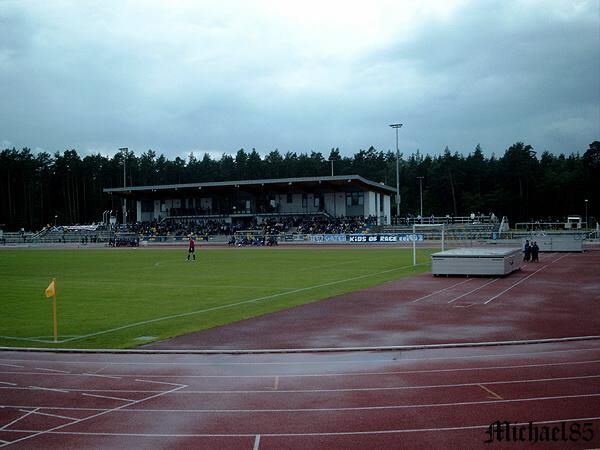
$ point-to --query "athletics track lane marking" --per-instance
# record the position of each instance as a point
(118, 408)
(316, 363)
(473, 290)
(441, 290)
(344, 374)
(332, 433)
(267, 390)
(521, 280)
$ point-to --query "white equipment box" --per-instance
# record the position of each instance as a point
(477, 261)
(558, 242)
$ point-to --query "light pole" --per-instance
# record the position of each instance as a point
(421, 195)
(125, 151)
(331, 160)
(397, 126)
(586, 215)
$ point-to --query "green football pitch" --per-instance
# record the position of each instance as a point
(122, 298)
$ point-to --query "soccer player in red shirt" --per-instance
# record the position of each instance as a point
(192, 249)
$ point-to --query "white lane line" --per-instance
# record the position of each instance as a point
(393, 388)
(345, 374)
(232, 305)
(15, 338)
(12, 365)
(101, 376)
(521, 280)
(330, 433)
(51, 370)
(39, 388)
(363, 408)
(270, 390)
(18, 419)
(473, 290)
(106, 396)
(159, 382)
(49, 415)
(256, 442)
(306, 362)
(118, 408)
(441, 290)
(513, 285)
(101, 368)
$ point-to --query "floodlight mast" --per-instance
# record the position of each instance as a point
(125, 150)
(397, 126)
(421, 195)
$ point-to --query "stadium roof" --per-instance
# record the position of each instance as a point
(339, 183)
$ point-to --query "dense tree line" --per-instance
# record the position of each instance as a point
(36, 188)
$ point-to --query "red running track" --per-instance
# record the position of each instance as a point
(350, 400)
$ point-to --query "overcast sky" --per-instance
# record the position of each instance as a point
(301, 76)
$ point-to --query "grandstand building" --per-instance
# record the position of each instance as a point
(335, 196)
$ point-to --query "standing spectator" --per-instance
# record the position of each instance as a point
(535, 250)
(191, 249)
(527, 251)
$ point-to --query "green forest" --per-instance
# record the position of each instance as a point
(522, 184)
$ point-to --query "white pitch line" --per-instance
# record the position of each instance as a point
(15, 338)
(110, 398)
(6, 382)
(441, 290)
(232, 305)
(473, 290)
(18, 419)
(256, 442)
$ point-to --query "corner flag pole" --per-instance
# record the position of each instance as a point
(54, 311)
(51, 292)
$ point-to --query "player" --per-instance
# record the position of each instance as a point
(191, 249)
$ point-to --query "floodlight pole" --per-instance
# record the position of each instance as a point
(124, 150)
(331, 160)
(421, 195)
(397, 126)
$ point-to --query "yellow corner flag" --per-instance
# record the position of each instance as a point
(50, 290)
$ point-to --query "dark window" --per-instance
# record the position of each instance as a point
(355, 198)
(289, 198)
(147, 206)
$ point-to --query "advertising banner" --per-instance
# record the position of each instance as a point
(382, 238)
